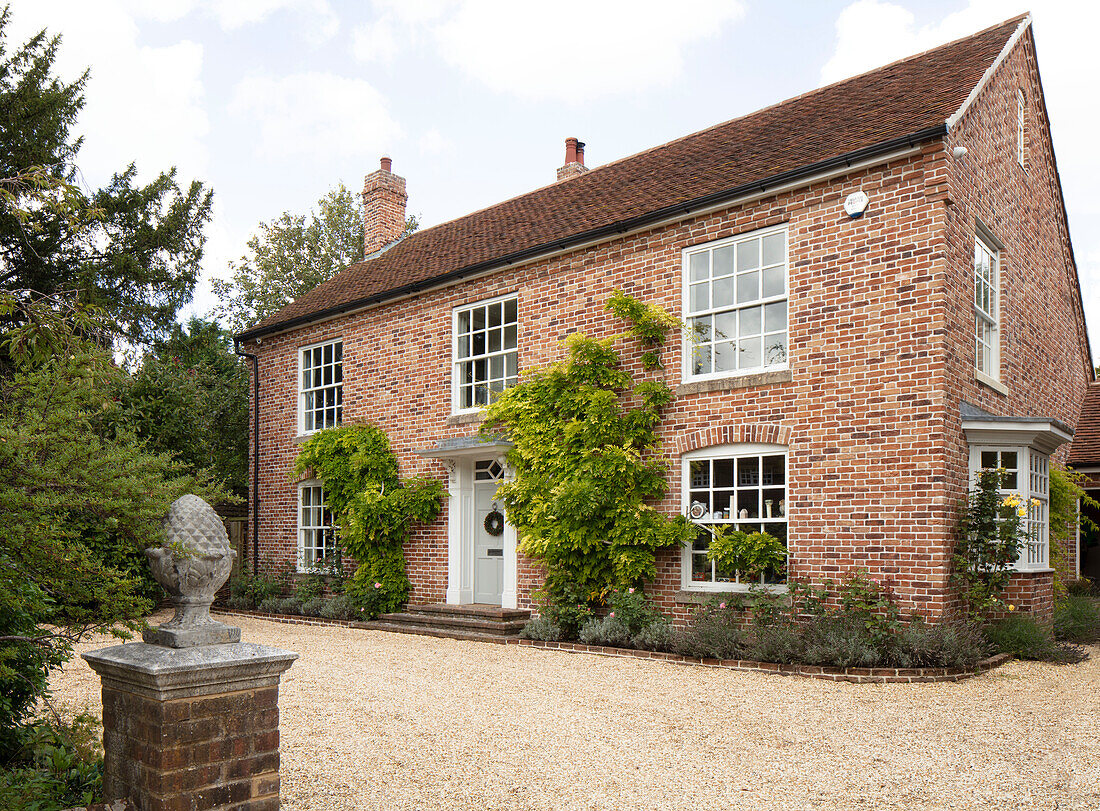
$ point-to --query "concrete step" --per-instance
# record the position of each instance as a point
(460, 622)
(472, 610)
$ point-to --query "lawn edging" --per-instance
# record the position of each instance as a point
(854, 675)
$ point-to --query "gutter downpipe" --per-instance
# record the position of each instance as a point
(255, 451)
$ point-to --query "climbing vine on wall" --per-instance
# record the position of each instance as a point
(373, 508)
(585, 436)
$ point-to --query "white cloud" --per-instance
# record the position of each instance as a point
(375, 42)
(143, 104)
(315, 113)
(535, 51)
(433, 142)
(415, 12)
(870, 33)
(529, 50)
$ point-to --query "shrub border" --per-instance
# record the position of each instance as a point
(853, 675)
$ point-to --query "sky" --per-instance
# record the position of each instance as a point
(271, 103)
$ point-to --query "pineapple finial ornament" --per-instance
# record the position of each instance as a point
(192, 565)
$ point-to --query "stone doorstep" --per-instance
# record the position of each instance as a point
(436, 631)
(471, 610)
(460, 622)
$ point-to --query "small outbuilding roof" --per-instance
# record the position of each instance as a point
(1085, 450)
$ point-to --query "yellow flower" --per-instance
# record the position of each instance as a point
(1011, 607)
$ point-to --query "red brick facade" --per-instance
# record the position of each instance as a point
(881, 348)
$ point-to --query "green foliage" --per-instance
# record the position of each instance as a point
(713, 632)
(633, 621)
(189, 397)
(290, 256)
(583, 455)
(380, 584)
(1077, 619)
(864, 628)
(989, 538)
(1025, 638)
(1066, 493)
(58, 765)
(132, 250)
(607, 631)
(374, 509)
(543, 628)
(634, 609)
(81, 498)
(341, 607)
(567, 610)
(750, 553)
(649, 325)
(250, 589)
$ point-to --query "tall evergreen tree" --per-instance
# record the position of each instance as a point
(130, 250)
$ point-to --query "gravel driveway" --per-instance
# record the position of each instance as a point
(378, 720)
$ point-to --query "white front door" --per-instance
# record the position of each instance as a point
(488, 530)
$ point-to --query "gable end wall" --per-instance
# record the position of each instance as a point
(1045, 364)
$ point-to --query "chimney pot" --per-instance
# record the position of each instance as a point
(386, 164)
(570, 150)
(574, 159)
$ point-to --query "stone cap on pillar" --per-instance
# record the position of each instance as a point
(167, 674)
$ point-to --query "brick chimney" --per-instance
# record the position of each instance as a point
(574, 159)
(384, 201)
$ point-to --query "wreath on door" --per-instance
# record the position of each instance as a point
(494, 522)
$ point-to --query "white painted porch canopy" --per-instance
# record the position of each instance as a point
(1043, 434)
(465, 447)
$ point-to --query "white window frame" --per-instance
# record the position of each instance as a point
(303, 390)
(456, 362)
(985, 242)
(731, 451)
(1021, 128)
(686, 359)
(1032, 482)
(312, 485)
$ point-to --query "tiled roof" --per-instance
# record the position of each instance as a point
(1085, 450)
(904, 101)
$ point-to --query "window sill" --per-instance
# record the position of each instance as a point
(1044, 570)
(701, 596)
(467, 418)
(991, 382)
(742, 382)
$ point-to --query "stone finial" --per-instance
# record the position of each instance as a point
(192, 565)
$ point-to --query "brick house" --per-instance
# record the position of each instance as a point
(882, 298)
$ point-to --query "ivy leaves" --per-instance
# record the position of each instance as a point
(584, 455)
(373, 507)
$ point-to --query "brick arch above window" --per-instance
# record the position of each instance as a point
(754, 432)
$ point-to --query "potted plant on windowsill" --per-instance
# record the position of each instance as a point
(750, 554)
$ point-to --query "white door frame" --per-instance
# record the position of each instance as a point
(461, 512)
